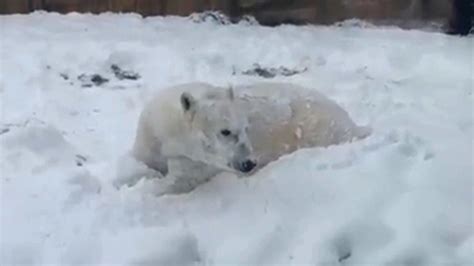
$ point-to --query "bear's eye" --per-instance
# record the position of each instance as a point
(225, 132)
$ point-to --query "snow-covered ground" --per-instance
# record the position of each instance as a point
(403, 196)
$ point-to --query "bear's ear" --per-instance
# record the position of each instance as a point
(187, 102)
(230, 93)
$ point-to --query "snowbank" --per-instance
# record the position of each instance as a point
(400, 197)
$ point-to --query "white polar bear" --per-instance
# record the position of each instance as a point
(194, 131)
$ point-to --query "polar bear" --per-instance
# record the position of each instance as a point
(194, 131)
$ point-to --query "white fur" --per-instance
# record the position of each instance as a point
(285, 117)
(187, 143)
(282, 118)
(163, 127)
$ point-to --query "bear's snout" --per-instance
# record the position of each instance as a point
(246, 166)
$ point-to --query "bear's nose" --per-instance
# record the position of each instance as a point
(247, 166)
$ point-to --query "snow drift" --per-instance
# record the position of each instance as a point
(403, 196)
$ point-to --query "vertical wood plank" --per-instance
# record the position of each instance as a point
(14, 6)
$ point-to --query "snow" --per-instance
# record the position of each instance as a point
(403, 196)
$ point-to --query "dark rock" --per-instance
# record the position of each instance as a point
(271, 72)
(344, 257)
(124, 74)
(91, 80)
(220, 18)
(64, 76)
(248, 20)
(215, 17)
(80, 160)
(4, 130)
(98, 80)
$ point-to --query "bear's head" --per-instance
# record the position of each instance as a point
(220, 127)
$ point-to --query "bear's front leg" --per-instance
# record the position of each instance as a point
(188, 174)
(129, 171)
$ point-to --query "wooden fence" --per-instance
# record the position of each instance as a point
(268, 12)
(144, 7)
